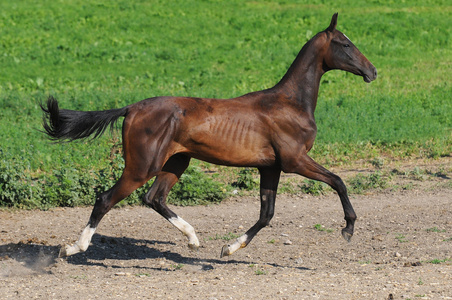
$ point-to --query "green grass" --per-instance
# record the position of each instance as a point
(320, 227)
(437, 261)
(313, 187)
(258, 271)
(435, 229)
(104, 54)
(177, 267)
(226, 237)
(362, 183)
(401, 238)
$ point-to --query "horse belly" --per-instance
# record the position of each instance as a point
(234, 156)
(235, 143)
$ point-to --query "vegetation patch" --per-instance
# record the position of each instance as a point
(320, 227)
(361, 183)
(435, 229)
(195, 187)
(438, 261)
(401, 238)
(227, 237)
(313, 187)
(246, 179)
(104, 55)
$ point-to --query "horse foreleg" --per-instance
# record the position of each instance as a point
(157, 194)
(268, 187)
(104, 202)
(309, 168)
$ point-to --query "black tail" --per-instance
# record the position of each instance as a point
(69, 125)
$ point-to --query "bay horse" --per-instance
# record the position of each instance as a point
(271, 130)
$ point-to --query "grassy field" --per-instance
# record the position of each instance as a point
(105, 54)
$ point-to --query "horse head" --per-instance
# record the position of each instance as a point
(342, 54)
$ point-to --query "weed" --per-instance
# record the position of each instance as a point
(364, 262)
(272, 241)
(177, 267)
(377, 162)
(260, 272)
(320, 227)
(195, 187)
(420, 282)
(438, 261)
(418, 174)
(407, 186)
(289, 187)
(361, 183)
(313, 187)
(435, 229)
(448, 240)
(246, 181)
(401, 238)
(227, 237)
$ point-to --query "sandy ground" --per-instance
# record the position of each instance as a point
(402, 249)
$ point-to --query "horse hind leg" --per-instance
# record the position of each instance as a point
(157, 194)
(268, 187)
(104, 202)
(144, 157)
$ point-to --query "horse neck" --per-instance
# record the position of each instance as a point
(302, 80)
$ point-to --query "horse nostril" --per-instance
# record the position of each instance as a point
(375, 72)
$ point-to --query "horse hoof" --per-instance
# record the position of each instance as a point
(347, 236)
(193, 247)
(63, 252)
(224, 251)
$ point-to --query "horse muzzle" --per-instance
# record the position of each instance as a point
(370, 75)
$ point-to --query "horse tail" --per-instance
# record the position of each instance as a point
(69, 125)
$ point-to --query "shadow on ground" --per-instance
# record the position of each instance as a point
(31, 258)
(124, 248)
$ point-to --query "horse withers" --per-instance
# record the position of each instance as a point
(271, 130)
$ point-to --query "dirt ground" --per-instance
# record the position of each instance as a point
(402, 249)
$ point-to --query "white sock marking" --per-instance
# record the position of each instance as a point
(187, 230)
(83, 242)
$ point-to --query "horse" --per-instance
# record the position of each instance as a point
(271, 130)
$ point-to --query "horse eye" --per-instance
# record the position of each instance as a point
(346, 45)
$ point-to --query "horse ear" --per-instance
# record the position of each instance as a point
(333, 23)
